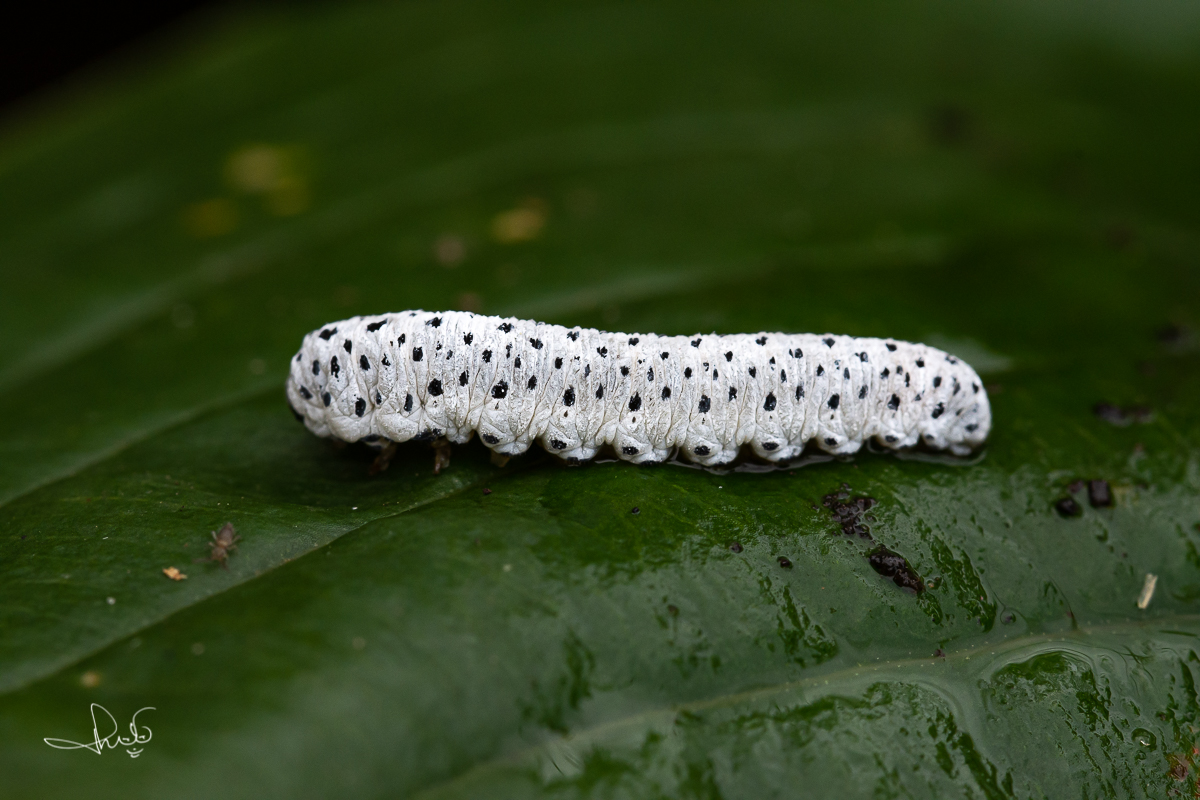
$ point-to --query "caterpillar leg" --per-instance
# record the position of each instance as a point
(384, 459)
(441, 454)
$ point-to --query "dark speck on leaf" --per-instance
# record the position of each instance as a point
(487, 490)
(1067, 507)
(635, 510)
(736, 547)
(1075, 486)
(939, 653)
(1007, 618)
(784, 562)
(848, 511)
(1098, 494)
(673, 610)
(895, 566)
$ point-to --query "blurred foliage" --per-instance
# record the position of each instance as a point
(1014, 182)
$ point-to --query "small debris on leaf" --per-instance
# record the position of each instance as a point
(736, 547)
(635, 510)
(784, 562)
(1067, 507)
(1122, 416)
(895, 566)
(174, 574)
(1147, 591)
(1098, 494)
(486, 490)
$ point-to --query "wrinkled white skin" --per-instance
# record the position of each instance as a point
(515, 382)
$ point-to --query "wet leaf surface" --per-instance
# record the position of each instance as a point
(1011, 184)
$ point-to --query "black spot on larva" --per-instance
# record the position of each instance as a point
(890, 439)
(895, 566)
(893, 402)
(629, 451)
(830, 440)
(783, 376)
(600, 392)
(316, 367)
(434, 323)
(435, 387)
(732, 393)
(418, 354)
(862, 357)
(907, 378)
(374, 326)
(305, 393)
(834, 400)
(846, 374)
(347, 345)
(891, 347)
(975, 388)
(635, 402)
(705, 404)
(937, 381)
(762, 340)
(625, 372)
(400, 340)
(666, 393)
(557, 444)
(714, 373)
(505, 326)
(972, 427)
(462, 379)
(362, 362)
(1098, 494)
(938, 410)
(687, 373)
(536, 344)
(558, 363)
(664, 355)
(633, 341)
(385, 361)
(828, 342)
(753, 372)
(957, 387)
(603, 351)
(468, 337)
(1067, 507)
(508, 350)
(408, 402)
(360, 407)
(378, 398)
(333, 366)
(952, 359)
(532, 384)
(920, 362)
(769, 402)
(729, 355)
(650, 375)
(770, 445)
(489, 438)
(569, 396)
(487, 356)
(326, 398)
(799, 391)
(885, 373)
(500, 390)
(325, 334)
(517, 362)
(862, 393)
(695, 342)
(820, 369)
(771, 360)
(702, 450)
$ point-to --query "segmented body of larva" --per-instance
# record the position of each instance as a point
(422, 375)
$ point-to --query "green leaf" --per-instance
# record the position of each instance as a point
(1012, 183)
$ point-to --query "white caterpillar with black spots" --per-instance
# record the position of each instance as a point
(423, 375)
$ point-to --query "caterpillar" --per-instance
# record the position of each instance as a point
(425, 375)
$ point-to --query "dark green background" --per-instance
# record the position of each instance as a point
(1014, 182)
